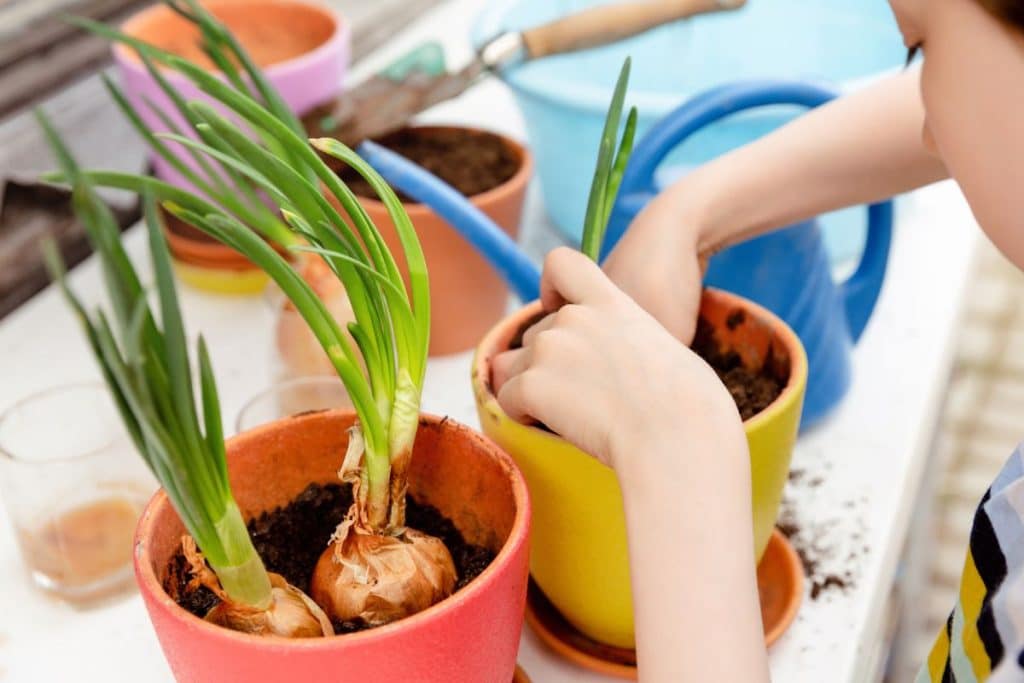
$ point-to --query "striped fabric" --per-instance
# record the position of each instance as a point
(984, 636)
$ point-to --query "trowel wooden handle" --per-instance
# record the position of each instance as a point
(611, 23)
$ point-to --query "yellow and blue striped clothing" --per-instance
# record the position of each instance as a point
(983, 639)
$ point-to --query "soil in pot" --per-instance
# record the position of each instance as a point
(291, 539)
(753, 390)
(185, 230)
(471, 161)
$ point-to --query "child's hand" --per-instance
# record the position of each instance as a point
(657, 263)
(603, 374)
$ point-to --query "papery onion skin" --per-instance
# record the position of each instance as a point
(292, 614)
(376, 579)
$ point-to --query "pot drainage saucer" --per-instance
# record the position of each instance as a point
(520, 676)
(780, 582)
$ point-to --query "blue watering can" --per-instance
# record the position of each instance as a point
(787, 271)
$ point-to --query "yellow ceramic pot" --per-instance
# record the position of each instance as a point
(578, 548)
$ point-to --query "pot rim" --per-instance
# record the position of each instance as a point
(210, 255)
(481, 199)
(339, 38)
(205, 254)
(792, 392)
(518, 536)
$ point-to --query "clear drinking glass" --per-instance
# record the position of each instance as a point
(73, 488)
(298, 395)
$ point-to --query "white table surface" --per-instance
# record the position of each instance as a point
(868, 457)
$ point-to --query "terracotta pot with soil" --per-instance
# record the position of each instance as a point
(467, 295)
(303, 50)
(579, 556)
(463, 489)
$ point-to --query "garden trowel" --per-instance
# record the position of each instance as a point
(419, 80)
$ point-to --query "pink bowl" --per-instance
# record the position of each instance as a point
(304, 81)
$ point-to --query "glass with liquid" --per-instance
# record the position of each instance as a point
(73, 487)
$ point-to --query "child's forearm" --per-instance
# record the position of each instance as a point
(688, 518)
(861, 148)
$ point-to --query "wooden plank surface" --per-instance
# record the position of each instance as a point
(41, 52)
(94, 129)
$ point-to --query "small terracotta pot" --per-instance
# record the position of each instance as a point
(467, 297)
(579, 555)
(209, 265)
(470, 637)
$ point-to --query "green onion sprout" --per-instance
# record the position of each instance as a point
(147, 368)
(380, 356)
(611, 165)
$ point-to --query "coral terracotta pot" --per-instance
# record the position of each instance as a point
(470, 637)
(579, 555)
(467, 297)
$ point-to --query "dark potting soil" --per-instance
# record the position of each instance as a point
(826, 569)
(470, 161)
(291, 539)
(186, 230)
(752, 390)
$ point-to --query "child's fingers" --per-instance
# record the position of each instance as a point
(515, 397)
(507, 365)
(531, 334)
(571, 277)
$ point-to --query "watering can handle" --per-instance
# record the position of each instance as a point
(500, 250)
(860, 291)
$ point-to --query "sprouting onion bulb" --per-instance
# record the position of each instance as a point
(375, 569)
(148, 371)
(611, 165)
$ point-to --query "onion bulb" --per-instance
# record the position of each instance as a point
(377, 579)
(291, 614)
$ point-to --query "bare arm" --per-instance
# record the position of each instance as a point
(691, 556)
(861, 148)
(678, 447)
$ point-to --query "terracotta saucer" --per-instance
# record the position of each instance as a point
(780, 581)
(520, 676)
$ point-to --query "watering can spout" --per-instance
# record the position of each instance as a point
(500, 250)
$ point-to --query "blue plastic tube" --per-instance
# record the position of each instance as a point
(500, 250)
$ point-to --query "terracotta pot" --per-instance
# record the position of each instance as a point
(470, 637)
(466, 296)
(209, 265)
(579, 555)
